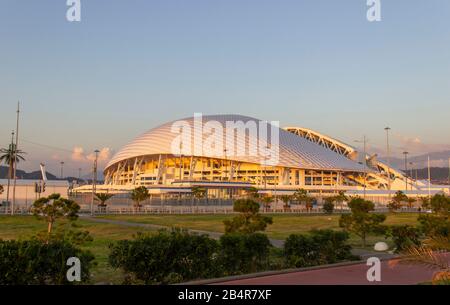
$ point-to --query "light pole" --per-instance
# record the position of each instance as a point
(62, 168)
(94, 181)
(388, 160)
(11, 160)
(411, 165)
(406, 170)
(364, 141)
(15, 159)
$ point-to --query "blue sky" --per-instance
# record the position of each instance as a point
(131, 65)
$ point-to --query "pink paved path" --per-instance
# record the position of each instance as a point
(391, 274)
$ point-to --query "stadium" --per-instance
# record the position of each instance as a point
(167, 162)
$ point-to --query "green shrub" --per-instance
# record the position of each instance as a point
(166, 257)
(328, 206)
(31, 262)
(404, 236)
(249, 219)
(434, 225)
(244, 253)
(317, 248)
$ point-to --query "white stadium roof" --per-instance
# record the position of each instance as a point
(294, 151)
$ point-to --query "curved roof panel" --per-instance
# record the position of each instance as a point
(294, 151)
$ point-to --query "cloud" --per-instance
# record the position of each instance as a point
(103, 155)
(415, 145)
(78, 155)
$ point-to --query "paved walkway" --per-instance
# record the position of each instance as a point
(392, 273)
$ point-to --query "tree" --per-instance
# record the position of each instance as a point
(437, 223)
(166, 257)
(341, 198)
(436, 227)
(267, 200)
(410, 202)
(138, 195)
(102, 198)
(32, 262)
(6, 156)
(243, 253)
(252, 193)
(328, 206)
(286, 200)
(396, 202)
(317, 248)
(425, 203)
(198, 192)
(440, 204)
(361, 222)
(404, 236)
(249, 220)
(55, 207)
(302, 196)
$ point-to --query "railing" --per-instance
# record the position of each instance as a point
(181, 210)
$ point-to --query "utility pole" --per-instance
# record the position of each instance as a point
(364, 141)
(11, 148)
(94, 181)
(62, 169)
(411, 165)
(429, 179)
(406, 170)
(388, 160)
(15, 159)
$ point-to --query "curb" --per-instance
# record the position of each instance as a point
(277, 272)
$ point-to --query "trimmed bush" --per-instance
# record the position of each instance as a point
(166, 257)
(405, 236)
(244, 253)
(32, 262)
(317, 248)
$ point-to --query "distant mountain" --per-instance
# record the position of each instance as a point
(35, 175)
(439, 175)
(437, 159)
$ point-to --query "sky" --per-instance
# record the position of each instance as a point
(131, 65)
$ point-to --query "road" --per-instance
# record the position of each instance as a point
(392, 273)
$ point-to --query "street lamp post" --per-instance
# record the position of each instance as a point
(388, 160)
(11, 160)
(15, 159)
(364, 141)
(62, 169)
(94, 181)
(411, 165)
(406, 170)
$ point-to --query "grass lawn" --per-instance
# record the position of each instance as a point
(283, 224)
(24, 227)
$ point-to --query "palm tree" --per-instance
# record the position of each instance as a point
(340, 198)
(6, 156)
(198, 192)
(102, 198)
(302, 196)
(252, 193)
(138, 195)
(286, 200)
(267, 200)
